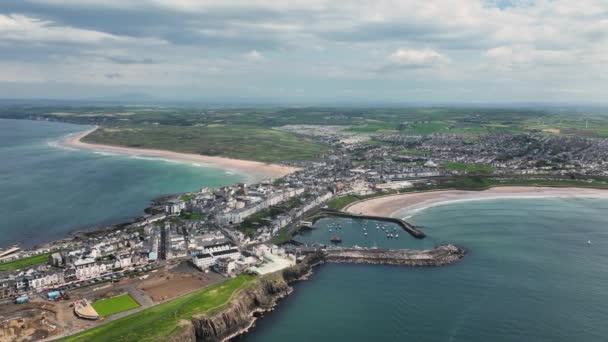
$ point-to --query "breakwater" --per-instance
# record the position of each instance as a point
(442, 255)
(413, 231)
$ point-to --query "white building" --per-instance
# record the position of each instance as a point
(206, 259)
(89, 268)
(175, 206)
(203, 260)
(41, 281)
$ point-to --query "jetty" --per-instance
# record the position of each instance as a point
(413, 231)
(439, 256)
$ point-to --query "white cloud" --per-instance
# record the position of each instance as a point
(410, 58)
(254, 56)
(22, 28)
(469, 42)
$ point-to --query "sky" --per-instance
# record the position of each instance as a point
(306, 50)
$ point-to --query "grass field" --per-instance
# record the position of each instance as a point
(158, 323)
(241, 142)
(25, 262)
(110, 306)
(470, 168)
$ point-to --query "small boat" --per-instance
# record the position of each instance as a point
(330, 229)
(365, 233)
(397, 236)
(336, 239)
(588, 242)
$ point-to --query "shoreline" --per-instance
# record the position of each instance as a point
(406, 205)
(253, 171)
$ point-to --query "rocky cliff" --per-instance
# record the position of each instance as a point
(238, 315)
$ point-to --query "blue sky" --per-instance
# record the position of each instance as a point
(306, 50)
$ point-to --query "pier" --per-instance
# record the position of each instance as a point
(438, 256)
(418, 234)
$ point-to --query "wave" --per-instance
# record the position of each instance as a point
(106, 153)
(413, 211)
(58, 144)
(140, 157)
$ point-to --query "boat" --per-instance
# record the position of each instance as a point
(365, 233)
(336, 239)
(397, 236)
(588, 242)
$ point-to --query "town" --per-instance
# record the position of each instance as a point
(187, 241)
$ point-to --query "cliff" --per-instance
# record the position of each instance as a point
(238, 315)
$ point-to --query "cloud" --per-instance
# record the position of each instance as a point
(254, 56)
(409, 58)
(113, 75)
(460, 44)
(129, 60)
(16, 27)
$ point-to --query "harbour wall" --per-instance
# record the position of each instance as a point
(439, 256)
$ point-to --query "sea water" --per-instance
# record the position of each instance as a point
(48, 190)
(529, 275)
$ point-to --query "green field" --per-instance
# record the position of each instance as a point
(470, 168)
(110, 306)
(340, 202)
(241, 142)
(25, 262)
(158, 323)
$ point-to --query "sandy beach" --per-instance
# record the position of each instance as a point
(405, 205)
(254, 171)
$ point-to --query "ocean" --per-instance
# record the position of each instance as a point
(47, 191)
(529, 275)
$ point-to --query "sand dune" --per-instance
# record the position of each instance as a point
(252, 170)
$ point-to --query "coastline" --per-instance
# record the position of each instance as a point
(405, 205)
(254, 171)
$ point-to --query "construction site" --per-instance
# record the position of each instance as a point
(53, 314)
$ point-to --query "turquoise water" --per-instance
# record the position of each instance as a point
(529, 276)
(47, 191)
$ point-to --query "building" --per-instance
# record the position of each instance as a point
(207, 258)
(203, 261)
(224, 266)
(41, 281)
(88, 268)
(8, 288)
(232, 253)
(175, 206)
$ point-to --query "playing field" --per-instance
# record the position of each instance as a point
(110, 306)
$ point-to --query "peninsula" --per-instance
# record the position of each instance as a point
(254, 171)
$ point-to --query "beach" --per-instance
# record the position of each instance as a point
(254, 171)
(404, 205)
